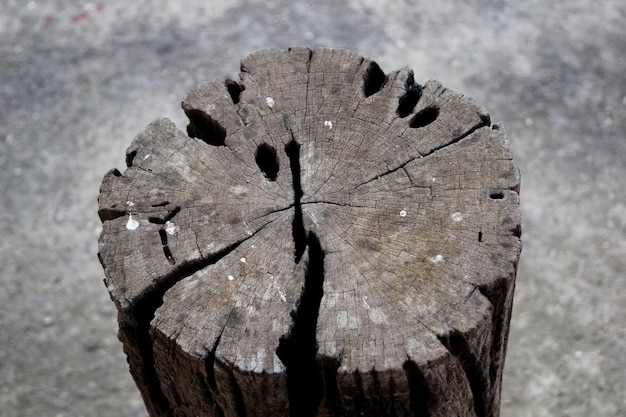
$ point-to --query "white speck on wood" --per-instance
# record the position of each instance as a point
(403, 213)
(328, 124)
(269, 101)
(132, 224)
(242, 260)
(146, 157)
(130, 203)
(170, 228)
(436, 259)
(457, 217)
(282, 294)
(230, 277)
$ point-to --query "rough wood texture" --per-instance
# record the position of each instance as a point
(326, 240)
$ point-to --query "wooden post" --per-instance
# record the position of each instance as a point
(326, 240)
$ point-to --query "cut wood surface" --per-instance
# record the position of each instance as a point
(325, 240)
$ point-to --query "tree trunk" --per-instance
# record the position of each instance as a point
(326, 240)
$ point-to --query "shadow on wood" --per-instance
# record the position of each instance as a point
(325, 240)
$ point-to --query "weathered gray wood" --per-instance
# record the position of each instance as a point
(327, 240)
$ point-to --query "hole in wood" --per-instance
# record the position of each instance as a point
(267, 160)
(168, 254)
(234, 89)
(163, 237)
(130, 157)
(424, 117)
(374, 78)
(409, 100)
(496, 195)
(203, 126)
(480, 236)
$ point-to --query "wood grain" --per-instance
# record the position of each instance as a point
(325, 240)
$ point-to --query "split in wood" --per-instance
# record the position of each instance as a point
(376, 280)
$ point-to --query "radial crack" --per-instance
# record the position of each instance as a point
(292, 149)
(298, 349)
(457, 345)
(135, 325)
(419, 393)
(484, 122)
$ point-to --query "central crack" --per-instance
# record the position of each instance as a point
(299, 233)
(297, 350)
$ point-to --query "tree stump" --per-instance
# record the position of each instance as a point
(325, 240)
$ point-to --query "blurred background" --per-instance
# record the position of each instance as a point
(78, 80)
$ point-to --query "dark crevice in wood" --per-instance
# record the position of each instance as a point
(409, 99)
(419, 392)
(458, 346)
(130, 157)
(360, 403)
(234, 89)
(110, 213)
(391, 387)
(168, 255)
(203, 126)
(207, 389)
(424, 117)
(237, 393)
(480, 236)
(485, 118)
(267, 160)
(163, 236)
(292, 149)
(207, 393)
(402, 166)
(134, 332)
(209, 364)
(496, 195)
(298, 349)
(333, 203)
(496, 293)
(209, 367)
(168, 217)
(135, 327)
(332, 396)
(459, 138)
(373, 79)
(161, 204)
(163, 233)
(378, 402)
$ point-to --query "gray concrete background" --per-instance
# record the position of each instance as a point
(78, 80)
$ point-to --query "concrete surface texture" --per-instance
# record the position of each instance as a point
(78, 80)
